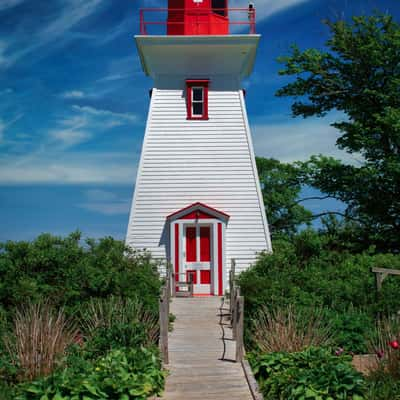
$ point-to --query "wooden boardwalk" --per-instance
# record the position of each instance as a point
(195, 350)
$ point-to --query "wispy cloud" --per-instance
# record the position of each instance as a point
(266, 8)
(84, 123)
(4, 59)
(297, 140)
(6, 91)
(2, 128)
(73, 94)
(116, 117)
(105, 202)
(5, 4)
(54, 33)
(68, 168)
(70, 137)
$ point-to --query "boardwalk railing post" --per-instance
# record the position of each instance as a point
(163, 320)
(232, 284)
(236, 295)
(239, 328)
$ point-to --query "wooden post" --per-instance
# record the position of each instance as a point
(164, 316)
(235, 311)
(232, 288)
(239, 328)
(173, 284)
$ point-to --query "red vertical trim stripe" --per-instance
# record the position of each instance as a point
(220, 280)
(176, 252)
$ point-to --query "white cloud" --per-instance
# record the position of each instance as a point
(73, 94)
(116, 118)
(105, 202)
(6, 90)
(297, 140)
(66, 18)
(108, 208)
(4, 59)
(70, 137)
(96, 195)
(2, 128)
(266, 8)
(5, 4)
(67, 168)
(73, 12)
(85, 123)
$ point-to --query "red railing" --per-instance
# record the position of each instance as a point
(194, 20)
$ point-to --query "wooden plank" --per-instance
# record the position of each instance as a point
(196, 370)
(386, 271)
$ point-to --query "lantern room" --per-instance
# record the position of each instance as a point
(197, 17)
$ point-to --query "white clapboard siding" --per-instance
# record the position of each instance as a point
(185, 161)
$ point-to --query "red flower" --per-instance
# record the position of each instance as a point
(394, 344)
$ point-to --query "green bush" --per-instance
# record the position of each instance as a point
(311, 374)
(307, 273)
(67, 272)
(115, 337)
(122, 374)
(118, 322)
(77, 275)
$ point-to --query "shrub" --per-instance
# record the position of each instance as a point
(307, 273)
(122, 374)
(116, 311)
(39, 339)
(351, 327)
(289, 329)
(311, 374)
(68, 272)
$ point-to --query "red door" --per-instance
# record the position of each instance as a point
(197, 257)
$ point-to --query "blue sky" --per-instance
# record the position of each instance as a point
(73, 105)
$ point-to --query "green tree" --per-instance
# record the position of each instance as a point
(358, 75)
(281, 186)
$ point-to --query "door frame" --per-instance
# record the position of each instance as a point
(198, 265)
(218, 231)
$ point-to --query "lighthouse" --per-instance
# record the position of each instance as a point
(197, 202)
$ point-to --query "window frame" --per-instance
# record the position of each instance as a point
(195, 84)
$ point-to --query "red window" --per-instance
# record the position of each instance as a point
(205, 254)
(191, 247)
(197, 99)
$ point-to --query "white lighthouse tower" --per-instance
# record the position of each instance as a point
(197, 200)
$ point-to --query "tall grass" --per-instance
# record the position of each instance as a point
(105, 313)
(40, 337)
(288, 329)
(388, 358)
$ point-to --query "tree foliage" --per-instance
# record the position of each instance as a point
(281, 186)
(358, 75)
